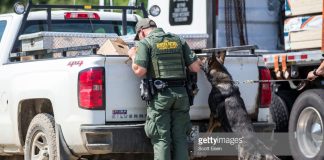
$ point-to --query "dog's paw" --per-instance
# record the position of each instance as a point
(204, 64)
(203, 59)
(212, 72)
(271, 157)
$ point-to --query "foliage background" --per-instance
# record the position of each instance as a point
(6, 5)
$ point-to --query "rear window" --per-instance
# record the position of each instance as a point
(83, 26)
(2, 28)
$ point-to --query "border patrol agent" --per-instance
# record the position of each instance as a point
(163, 58)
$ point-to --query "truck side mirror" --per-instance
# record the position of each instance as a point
(155, 10)
(19, 8)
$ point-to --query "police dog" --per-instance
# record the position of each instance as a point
(225, 103)
(228, 109)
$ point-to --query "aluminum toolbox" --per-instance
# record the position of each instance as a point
(195, 41)
(54, 40)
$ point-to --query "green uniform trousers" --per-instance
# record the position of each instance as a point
(168, 124)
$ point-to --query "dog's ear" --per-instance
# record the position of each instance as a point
(221, 57)
(214, 55)
(212, 58)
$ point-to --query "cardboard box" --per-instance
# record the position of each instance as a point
(303, 32)
(113, 47)
(27, 58)
(303, 7)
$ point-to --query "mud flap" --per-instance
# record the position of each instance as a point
(61, 147)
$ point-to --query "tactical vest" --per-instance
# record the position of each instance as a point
(166, 56)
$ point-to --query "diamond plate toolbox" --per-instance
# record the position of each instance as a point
(195, 41)
(54, 40)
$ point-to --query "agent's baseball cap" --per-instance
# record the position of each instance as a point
(142, 24)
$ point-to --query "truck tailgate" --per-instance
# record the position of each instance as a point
(241, 68)
(123, 102)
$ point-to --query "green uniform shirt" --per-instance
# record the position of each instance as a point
(142, 59)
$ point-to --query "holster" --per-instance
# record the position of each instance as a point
(147, 90)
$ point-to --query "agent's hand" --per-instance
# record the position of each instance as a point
(311, 76)
(131, 53)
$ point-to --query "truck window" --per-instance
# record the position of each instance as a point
(2, 28)
(82, 26)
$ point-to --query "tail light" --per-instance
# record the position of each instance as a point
(91, 88)
(81, 15)
(265, 96)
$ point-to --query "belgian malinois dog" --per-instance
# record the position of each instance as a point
(227, 107)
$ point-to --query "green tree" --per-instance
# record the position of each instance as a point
(6, 5)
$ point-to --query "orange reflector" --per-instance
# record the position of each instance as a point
(87, 7)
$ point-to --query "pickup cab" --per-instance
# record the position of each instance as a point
(89, 105)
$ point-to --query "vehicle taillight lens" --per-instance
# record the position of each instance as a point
(265, 97)
(81, 15)
(91, 88)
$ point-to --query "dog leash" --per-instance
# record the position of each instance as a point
(266, 81)
(301, 85)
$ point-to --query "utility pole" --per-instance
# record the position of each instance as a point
(111, 4)
(131, 3)
(101, 3)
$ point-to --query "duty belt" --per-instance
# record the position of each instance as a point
(161, 84)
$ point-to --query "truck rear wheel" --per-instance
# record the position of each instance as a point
(279, 113)
(40, 140)
(12, 158)
(306, 126)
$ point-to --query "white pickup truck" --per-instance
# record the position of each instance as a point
(89, 105)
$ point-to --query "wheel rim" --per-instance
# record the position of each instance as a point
(309, 132)
(40, 149)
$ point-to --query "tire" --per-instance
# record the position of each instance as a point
(306, 126)
(279, 113)
(42, 131)
(12, 158)
(289, 97)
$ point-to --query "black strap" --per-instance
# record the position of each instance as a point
(176, 84)
(148, 73)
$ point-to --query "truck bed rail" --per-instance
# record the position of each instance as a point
(295, 58)
(210, 51)
(49, 8)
